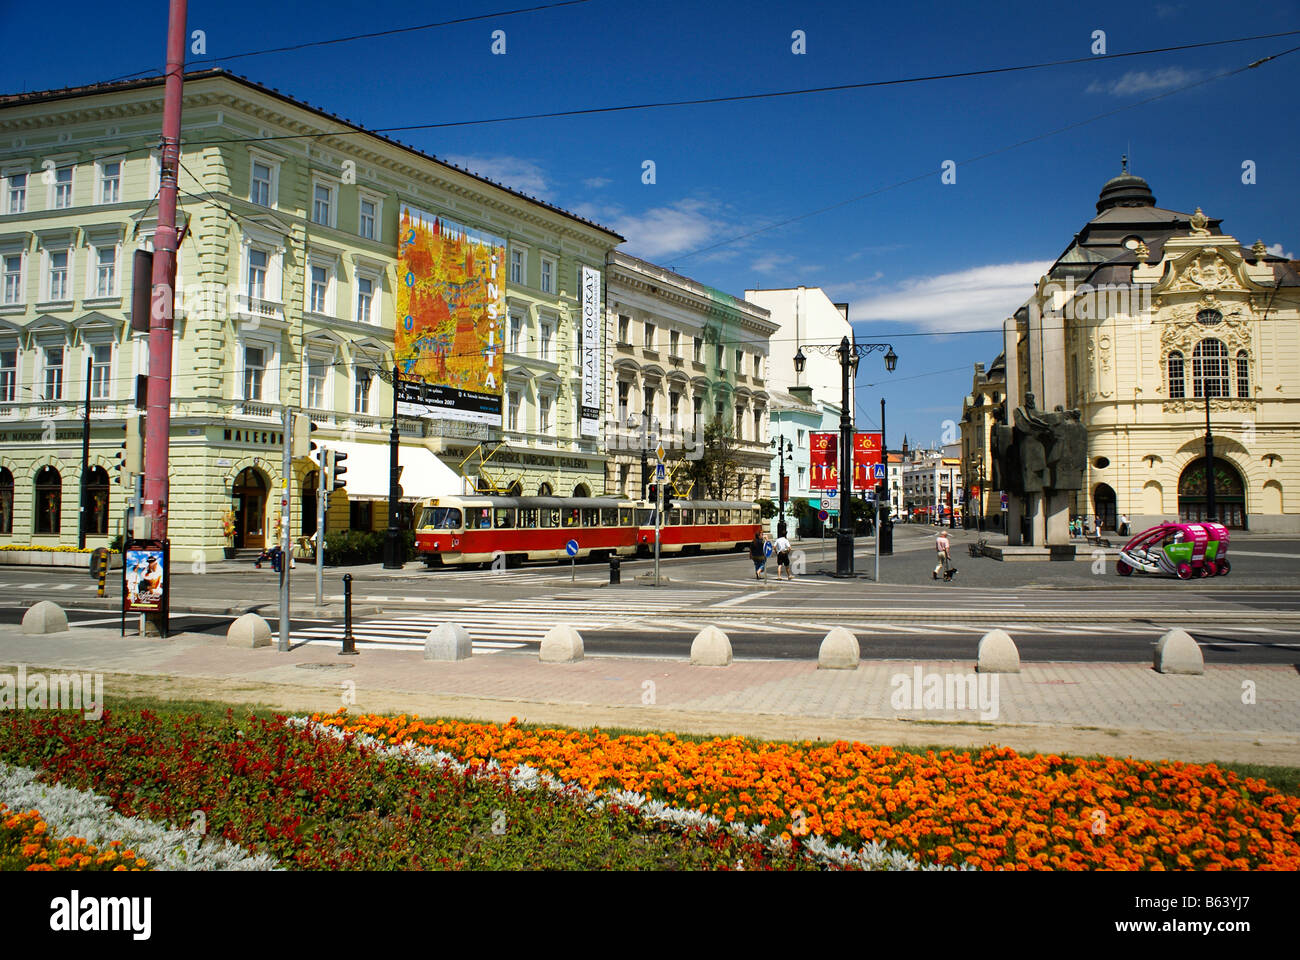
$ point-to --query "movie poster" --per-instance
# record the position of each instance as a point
(145, 575)
(449, 335)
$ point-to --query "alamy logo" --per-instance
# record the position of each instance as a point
(945, 691)
(75, 913)
(55, 691)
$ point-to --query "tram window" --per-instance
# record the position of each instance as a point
(724, 516)
(550, 517)
(753, 516)
(643, 517)
(505, 517)
(571, 517)
(674, 518)
(713, 516)
(625, 517)
(688, 517)
(528, 517)
(590, 517)
(440, 518)
(609, 516)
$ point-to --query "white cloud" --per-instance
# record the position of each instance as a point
(1145, 81)
(518, 174)
(976, 299)
(595, 183)
(660, 231)
(1276, 250)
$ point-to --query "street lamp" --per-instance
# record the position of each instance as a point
(393, 537)
(784, 450)
(848, 354)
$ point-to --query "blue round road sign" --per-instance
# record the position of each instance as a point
(571, 548)
(823, 516)
(767, 549)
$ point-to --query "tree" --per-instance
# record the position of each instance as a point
(767, 508)
(717, 472)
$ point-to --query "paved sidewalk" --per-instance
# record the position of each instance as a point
(1122, 709)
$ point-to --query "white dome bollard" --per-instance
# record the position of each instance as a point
(998, 653)
(710, 648)
(1178, 652)
(448, 641)
(250, 630)
(562, 644)
(45, 617)
(839, 651)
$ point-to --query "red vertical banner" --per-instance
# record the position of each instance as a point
(823, 460)
(785, 487)
(866, 454)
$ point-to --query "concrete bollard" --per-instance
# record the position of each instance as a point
(998, 653)
(250, 631)
(1177, 652)
(839, 651)
(448, 641)
(45, 617)
(562, 644)
(710, 648)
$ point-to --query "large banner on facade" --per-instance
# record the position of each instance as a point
(866, 454)
(592, 346)
(448, 339)
(823, 461)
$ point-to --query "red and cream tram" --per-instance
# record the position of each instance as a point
(477, 529)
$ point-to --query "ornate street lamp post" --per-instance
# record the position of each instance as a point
(784, 451)
(848, 354)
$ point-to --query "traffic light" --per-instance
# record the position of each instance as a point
(303, 427)
(337, 470)
(141, 290)
(130, 459)
(654, 493)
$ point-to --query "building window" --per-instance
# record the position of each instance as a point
(623, 389)
(57, 278)
(257, 274)
(316, 369)
(516, 331)
(548, 276)
(803, 484)
(648, 409)
(16, 196)
(362, 380)
(254, 372)
(110, 181)
(96, 502)
(649, 335)
(101, 371)
(49, 501)
(62, 188)
(717, 357)
(259, 188)
(322, 204)
(512, 411)
(105, 271)
(8, 374)
(758, 426)
(1177, 382)
(13, 271)
(674, 402)
(360, 516)
(1210, 369)
(624, 322)
(697, 350)
(545, 352)
(1243, 374)
(544, 414)
(365, 299)
(674, 343)
(740, 362)
(320, 283)
(758, 366)
(717, 410)
(517, 265)
(6, 502)
(369, 214)
(698, 403)
(52, 374)
(739, 422)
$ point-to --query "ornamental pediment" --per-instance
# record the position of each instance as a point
(1194, 266)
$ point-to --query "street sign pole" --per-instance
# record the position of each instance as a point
(659, 499)
(877, 541)
(320, 532)
(286, 550)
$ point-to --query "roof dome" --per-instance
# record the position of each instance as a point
(1126, 190)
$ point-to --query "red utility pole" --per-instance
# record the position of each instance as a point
(158, 418)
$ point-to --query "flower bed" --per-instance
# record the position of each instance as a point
(312, 797)
(991, 809)
(22, 554)
(26, 843)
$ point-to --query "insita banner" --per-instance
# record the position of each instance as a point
(450, 319)
(592, 347)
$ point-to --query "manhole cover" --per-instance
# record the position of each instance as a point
(324, 666)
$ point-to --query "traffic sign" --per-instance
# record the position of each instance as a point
(823, 516)
(832, 494)
(660, 452)
(1004, 501)
(571, 548)
(660, 471)
(826, 503)
(767, 548)
(878, 471)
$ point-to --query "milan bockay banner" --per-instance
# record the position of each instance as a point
(866, 454)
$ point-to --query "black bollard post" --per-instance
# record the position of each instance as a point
(615, 570)
(349, 645)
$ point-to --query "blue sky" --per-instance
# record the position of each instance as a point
(924, 265)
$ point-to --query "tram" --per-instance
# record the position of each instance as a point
(476, 529)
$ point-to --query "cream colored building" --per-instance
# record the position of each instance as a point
(1148, 312)
(980, 410)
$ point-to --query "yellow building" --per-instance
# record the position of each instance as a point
(981, 409)
(1151, 322)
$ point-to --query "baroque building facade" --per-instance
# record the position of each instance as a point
(980, 410)
(1155, 324)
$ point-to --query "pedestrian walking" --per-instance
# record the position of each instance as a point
(758, 553)
(1096, 526)
(782, 547)
(943, 548)
(1123, 525)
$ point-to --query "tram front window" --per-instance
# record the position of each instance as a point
(440, 518)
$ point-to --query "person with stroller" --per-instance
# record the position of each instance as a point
(943, 548)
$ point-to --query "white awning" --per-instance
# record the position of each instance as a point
(423, 474)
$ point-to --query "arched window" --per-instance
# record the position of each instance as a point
(1210, 369)
(1177, 382)
(1243, 374)
(544, 490)
(582, 490)
(6, 502)
(96, 505)
(48, 489)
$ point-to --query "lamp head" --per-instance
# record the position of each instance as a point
(891, 360)
(799, 361)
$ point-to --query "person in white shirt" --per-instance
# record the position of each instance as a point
(943, 548)
(782, 547)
